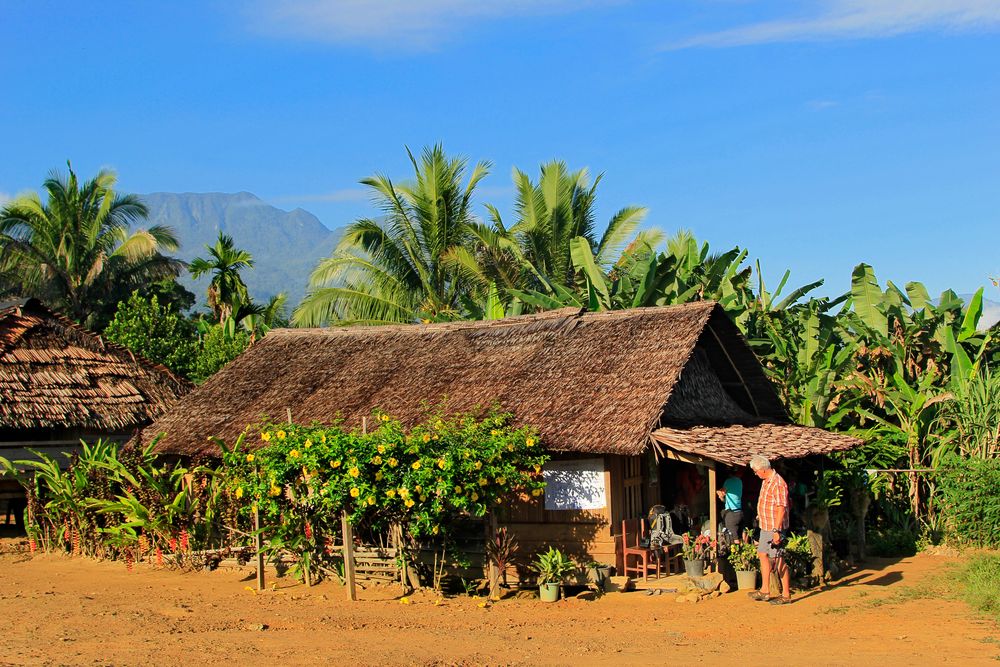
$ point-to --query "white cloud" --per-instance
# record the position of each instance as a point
(394, 24)
(858, 19)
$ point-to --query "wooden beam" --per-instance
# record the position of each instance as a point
(258, 544)
(713, 512)
(348, 531)
(693, 459)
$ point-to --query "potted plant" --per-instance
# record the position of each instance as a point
(551, 567)
(743, 557)
(598, 573)
(696, 549)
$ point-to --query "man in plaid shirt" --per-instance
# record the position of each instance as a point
(772, 514)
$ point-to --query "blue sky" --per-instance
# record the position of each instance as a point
(817, 134)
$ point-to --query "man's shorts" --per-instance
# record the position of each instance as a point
(766, 545)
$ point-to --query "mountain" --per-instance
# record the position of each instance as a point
(286, 245)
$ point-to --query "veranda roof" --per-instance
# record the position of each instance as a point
(56, 374)
(735, 444)
(590, 382)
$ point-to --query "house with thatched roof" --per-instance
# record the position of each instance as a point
(631, 402)
(60, 383)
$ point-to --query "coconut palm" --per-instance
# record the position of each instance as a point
(397, 268)
(227, 293)
(76, 251)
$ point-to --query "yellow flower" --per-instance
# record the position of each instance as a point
(436, 530)
(281, 435)
(439, 424)
(423, 497)
(275, 490)
(371, 500)
(266, 436)
(427, 437)
(385, 418)
(409, 503)
(419, 488)
(250, 458)
(510, 448)
(538, 468)
(494, 432)
(434, 437)
(309, 443)
(355, 492)
(381, 449)
(379, 476)
(479, 465)
(474, 496)
(393, 463)
(239, 491)
(403, 492)
(322, 437)
(416, 465)
(377, 460)
(501, 480)
(536, 492)
(334, 464)
(441, 463)
(294, 453)
(530, 442)
(353, 472)
(458, 489)
(483, 481)
(391, 493)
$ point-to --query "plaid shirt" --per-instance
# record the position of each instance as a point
(773, 494)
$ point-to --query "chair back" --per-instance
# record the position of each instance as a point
(632, 532)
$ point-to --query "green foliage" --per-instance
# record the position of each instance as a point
(799, 556)
(227, 292)
(76, 251)
(976, 415)
(155, 332)
(969, 500)
(893, 541)
(980, 584)
(219, 345)
(743, 554)
(422, 478)
(111, 502)
(552, 566)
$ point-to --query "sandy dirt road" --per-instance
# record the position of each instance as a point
(60, 610)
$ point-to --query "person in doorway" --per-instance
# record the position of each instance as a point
(731, 495)
(772, 514)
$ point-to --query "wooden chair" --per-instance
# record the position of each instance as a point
(632, 533)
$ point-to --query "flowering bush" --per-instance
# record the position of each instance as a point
(302, 477)
(698, 547)
(743, 555)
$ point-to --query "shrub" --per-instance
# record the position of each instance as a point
(969, 500)
(218, 348)
(155, 332)
(894, 541)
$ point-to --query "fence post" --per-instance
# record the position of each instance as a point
(348, 536)
(258, 547)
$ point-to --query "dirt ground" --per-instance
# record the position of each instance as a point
(61, 610)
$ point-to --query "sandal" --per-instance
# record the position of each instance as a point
(757, 596)
(777, 601)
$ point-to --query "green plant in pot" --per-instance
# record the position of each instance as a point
(552, 566)
(743, 557)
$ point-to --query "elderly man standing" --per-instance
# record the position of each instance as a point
(772, 514)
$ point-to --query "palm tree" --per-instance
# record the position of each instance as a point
(398, 268)
(75, 250)
(227, 293)
(536, 253)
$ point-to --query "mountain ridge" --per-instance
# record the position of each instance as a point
(286, 245)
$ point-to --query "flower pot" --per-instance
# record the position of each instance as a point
(694, 568)
(548, 592)
(746, 580)
(599, 575)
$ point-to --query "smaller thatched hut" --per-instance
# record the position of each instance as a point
(622, 397)
(60, 383)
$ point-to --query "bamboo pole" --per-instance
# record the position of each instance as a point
(348, 536)
(713, 512)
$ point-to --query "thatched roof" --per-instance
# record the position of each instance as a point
(594, 382)
(736, 444)
(55, 374)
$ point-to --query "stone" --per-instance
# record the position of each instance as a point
(710, 582)
(589, 596)
(715, 594)
(724, 587)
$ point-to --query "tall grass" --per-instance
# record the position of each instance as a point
(980, 584)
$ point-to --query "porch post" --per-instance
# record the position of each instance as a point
(713, 512)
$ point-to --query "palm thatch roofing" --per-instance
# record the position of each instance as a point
(56, 374)
(735, 444)
(589, 382)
